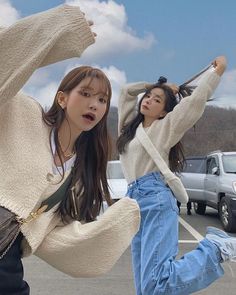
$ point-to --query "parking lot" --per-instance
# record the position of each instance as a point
(45, 280)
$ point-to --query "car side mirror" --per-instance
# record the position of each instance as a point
(215, 171)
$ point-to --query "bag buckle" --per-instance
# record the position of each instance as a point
(32, 215)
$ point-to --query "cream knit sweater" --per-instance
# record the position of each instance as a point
(164, 133)
(26, 176)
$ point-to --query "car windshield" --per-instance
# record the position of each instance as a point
(229, 163)
(194, 165)
(114, 170)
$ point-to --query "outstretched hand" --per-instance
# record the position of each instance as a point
(90, 23)
(220, 64)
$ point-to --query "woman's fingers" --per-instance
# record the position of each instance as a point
(174, 87)
(220, 64)
(220, 60)
(90, 22)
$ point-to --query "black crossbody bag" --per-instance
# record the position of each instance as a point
(10, 224)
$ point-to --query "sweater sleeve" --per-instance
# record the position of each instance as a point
(189, 110)
(91, 249)
(128, 101)
(37, 41)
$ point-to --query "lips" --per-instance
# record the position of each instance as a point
(145, 107)
(89, 116)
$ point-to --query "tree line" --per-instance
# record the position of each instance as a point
(216, 130)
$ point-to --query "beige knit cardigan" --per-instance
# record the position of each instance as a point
(26, 176)
(164, 133)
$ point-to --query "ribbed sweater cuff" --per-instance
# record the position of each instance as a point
(211, 79)
(76, 19)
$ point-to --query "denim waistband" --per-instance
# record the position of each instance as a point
(152, 175)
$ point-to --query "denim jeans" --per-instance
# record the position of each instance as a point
(11, 272)
(155, 246)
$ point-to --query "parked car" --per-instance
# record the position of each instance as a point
(116, 180)
(211, 181)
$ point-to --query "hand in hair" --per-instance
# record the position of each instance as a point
(173, 87)
(220, 64)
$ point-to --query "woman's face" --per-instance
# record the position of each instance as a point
(85, 105)
(153, 104)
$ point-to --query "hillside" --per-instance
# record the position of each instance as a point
(215, 130)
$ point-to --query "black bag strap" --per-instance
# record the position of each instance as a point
(57, 196)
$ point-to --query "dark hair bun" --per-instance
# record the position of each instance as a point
(162, 80)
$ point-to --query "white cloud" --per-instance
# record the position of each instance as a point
(8, 14)
(42, 87)
(44, 95)
(225, 95)
(228, 84)
(224, 101)
(118, 79)
(113, 33)
(40, 77)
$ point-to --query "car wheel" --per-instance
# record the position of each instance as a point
(199, 208)
(227, 218)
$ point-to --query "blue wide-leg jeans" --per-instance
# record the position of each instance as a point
(155, 246)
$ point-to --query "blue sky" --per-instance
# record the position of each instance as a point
(145, 39)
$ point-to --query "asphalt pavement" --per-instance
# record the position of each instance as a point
(45, 280)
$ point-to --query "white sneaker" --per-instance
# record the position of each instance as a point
(223, 241)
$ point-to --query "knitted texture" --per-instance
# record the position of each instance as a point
(25, 154)
(164, 133)
(92, 249)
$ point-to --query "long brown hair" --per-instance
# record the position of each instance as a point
(92, 153)
(176, 154)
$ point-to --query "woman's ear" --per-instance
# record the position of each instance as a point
(62, 99)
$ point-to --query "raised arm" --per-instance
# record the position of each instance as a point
(127, 105)
(191, 108)
(87, 250)
(37, 41)
(128, 101)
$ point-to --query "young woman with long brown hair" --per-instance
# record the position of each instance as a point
(161, 120)
(66, 146)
